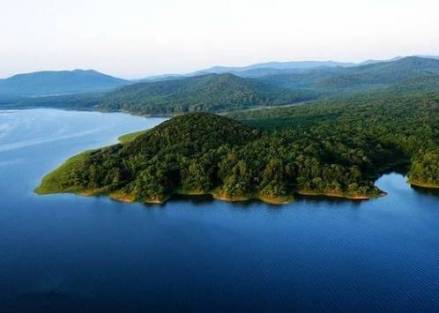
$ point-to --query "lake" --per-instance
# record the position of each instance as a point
(66, 253)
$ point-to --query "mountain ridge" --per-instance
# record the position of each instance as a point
(217, 92)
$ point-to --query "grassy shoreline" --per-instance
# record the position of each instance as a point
(126, 138)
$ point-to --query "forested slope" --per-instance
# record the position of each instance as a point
(334, 148)
(407, 122)
(208, 93)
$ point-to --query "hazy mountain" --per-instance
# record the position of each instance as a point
(50, 83)
(157, 78)
(368, 62)
(277, 68)
(363, 77)
(263, 69)
(384, 73)
(255, 70)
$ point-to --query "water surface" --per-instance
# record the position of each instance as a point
(65, 253)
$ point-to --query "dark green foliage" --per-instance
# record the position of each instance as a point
(386, 129)
(209, 93)
(205, 153)
(424, 170)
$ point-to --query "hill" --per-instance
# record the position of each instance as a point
(178, 155)
(209, 93)
(52, 83)
(334, 148)
(389, 127)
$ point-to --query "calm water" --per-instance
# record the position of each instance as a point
(66, 253)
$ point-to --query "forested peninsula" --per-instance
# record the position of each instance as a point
(334, 148)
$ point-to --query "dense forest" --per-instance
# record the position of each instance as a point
(205, 93)
(334, 147)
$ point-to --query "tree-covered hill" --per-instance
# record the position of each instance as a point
(408, 122)
(210, 93)
(333, 147)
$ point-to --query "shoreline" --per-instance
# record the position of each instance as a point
(216, 194)
(117, 196)
(423, 185)
(331, 195)
(281, 200)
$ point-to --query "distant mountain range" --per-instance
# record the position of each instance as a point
(274, 68)
(52, 83)
(363, 77)
(220, 89)
(271, 67)
(255, 70)
(227, 92)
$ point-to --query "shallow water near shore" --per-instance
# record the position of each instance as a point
(67, 253)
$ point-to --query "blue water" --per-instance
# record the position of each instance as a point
(65, 253)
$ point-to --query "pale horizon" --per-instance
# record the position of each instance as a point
(135, 39)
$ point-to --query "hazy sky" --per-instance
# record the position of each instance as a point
(135, 38)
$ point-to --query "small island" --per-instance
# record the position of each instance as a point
(340, 154)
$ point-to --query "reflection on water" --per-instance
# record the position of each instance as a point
(64, 253)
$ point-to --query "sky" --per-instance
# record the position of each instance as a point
(137, 38)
